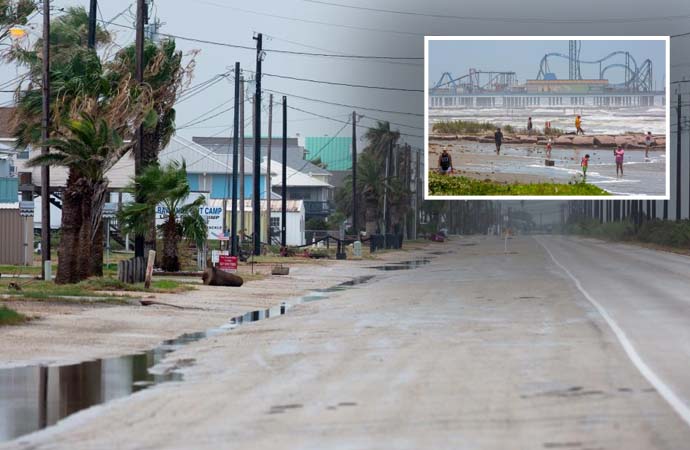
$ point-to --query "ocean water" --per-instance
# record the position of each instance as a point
(641, 176)
(594, 121)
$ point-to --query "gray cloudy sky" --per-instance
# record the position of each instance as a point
(524, 57)
(305, 26)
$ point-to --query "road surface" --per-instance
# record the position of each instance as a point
(477, 350)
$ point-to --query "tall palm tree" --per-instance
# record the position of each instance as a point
(166, 75)
(165, 189)
(370, 186)
(89, 149)
(381, 138)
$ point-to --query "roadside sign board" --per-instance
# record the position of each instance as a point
(227, 263)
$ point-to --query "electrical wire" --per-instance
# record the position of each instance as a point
(334, 83)
(344, 104)
(528, 20)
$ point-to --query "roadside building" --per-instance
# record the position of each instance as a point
(306, 181)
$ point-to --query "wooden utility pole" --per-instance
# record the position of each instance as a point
(235, 145)
(45, 135)
(139, 147)
(92, 24)
(679, 173)
(283, 190)
(256, 176)
(355, 210)
(268, 169)
(242, 159)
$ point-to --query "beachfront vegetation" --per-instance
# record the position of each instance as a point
(459, 185)
(664, 233)
(11, 317)
(469, 127)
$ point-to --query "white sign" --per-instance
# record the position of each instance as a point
(213, 215)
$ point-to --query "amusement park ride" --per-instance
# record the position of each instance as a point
(636, 77)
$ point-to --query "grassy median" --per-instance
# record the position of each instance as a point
(11, 317)
(459, 185)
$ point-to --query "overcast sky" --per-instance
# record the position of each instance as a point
(336, 29)
(524, 57)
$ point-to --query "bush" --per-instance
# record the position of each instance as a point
(672, 234)
(10, 316)
(458, 185)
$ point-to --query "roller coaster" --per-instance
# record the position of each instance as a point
(637, 78)
(476, 81)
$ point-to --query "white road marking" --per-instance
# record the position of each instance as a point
(676, 403)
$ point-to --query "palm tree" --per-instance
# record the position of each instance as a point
(381, 138)
(166, 75)
(370, 186)
(88, 149)
(165, 188)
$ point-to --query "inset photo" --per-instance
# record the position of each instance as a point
(538, 117)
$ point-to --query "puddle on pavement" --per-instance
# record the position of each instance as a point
(404, 265)
(36, 397)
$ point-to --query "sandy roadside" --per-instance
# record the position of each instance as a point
(64, 333)
(478, 349)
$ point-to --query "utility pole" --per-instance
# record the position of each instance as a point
(355, 212)
(268, 169)
(235, 145)
(92, 24)
(45, 135)
(139, 147)
(385, 189)
(242, 225)
(257, 147)
(416, 191)
(678, 159)
(283, 189)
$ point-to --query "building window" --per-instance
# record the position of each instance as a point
(275, 222)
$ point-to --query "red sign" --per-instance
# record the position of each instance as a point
(227, 263)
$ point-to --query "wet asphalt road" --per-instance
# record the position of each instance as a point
(478, 349)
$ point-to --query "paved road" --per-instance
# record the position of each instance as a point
(645, 297)
(477, 350)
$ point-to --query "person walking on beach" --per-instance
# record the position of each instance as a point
(619, 153)
(445, 163)
(498, 138)
(648, 144)
(529, 126)
(578, 125)
(585, 165)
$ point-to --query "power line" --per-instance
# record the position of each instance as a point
(314, 22)
(287, 52)
(334, 83)
(387, 111)
(500, 19)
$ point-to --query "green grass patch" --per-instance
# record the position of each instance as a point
(663, 233)
(11, 317)
(468, 127)
(458, 185)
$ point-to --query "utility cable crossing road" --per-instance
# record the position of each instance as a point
(482, 348)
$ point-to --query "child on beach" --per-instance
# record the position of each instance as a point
(619, 153)
(585, 165)
(548, 149)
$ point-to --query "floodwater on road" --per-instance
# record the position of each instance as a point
(35, 397)
(642, 176)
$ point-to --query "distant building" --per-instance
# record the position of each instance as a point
(567, 86)
(334, 152)
(306, 181)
